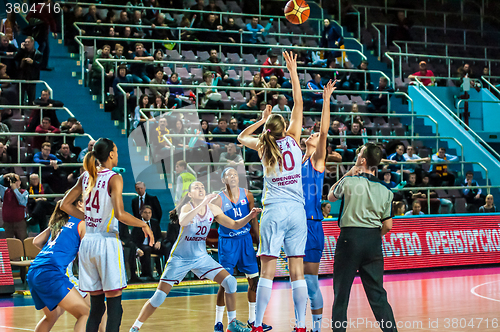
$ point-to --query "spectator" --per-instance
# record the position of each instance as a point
(233, 125)
(387, 181)
(436, 202)
(251, 105)
(8, 92)
(44, 128)
(89, 147)
(272, 96)
(206, 130)
(412, 157)
(144, 199)
(44, 157)
(222, 76)
(210, 24)
(71, 126)
(416, 209)
(164, 34)
(45, 101)
(335, 143)
(180, 142)
(176, 96)
(209, 97)
(330, 38)
(354, 142)
(122, 77)
(162, 130)
(67, 175)
(326, 208)
(110, 17)
(222, 129)
(4, 129)
(473, 197)
(39, 207)
(232, 158)
(92, 17)
(129, 46)
(439, 173)
(488, 207)
(143, 103)
(14, 200)
(184, 179)
(10, 28)
(109, 69)
(142, 243)
(349, 117)
(423, 72)
(130, 251)
(29, 62)
(411, 195)
(360, 80)
(122, 20)
(8, 52)
(282, 106)
(258, 82)
(402, 30)
(4, 159)
(71, 31)
(399, 208)
(398, 157)
(272, 60)
(315, 84)
(139, 32)
(255, 28)
(43, 12)
(377, 103)
(230, 25)
(197, 18)
(138, 70)
(159, 105)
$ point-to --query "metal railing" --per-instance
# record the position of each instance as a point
(446, 46)
(457, 118)
(19, 135)
(21, 82)
(62, 195)
(460, 101)
(40, 166)
(34, 107)
(191, 86)
(490, 85)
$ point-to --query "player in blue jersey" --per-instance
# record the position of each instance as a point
(283, 220)
(236, 246)
(189, 253)
(313, 174)
(50, 287)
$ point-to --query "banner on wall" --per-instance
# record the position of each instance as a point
(428, 242)
(6, 279)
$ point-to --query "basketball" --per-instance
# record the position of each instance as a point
(297, 11)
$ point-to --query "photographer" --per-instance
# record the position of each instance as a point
(14, 206)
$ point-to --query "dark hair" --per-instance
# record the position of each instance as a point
(138, 44)
(141, 101)
(120, 67)
(46, 118)
(59, 218)
(372, 154)
(442, 148)
(146, 207)
(173, 214)
(46, 90)
(222, 120)
(324, 204)
(182, 164)
(469, 172)
(101, 151)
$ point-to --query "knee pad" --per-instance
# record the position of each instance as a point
(158, 298)
(313, 291)
(230, 285)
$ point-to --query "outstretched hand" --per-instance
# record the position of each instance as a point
(210, 197)
(267, 112)
(255, 212)
(328, 90)
(291, 61)
(149, 234)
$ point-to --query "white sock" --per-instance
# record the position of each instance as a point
(299, 294)
(219, 313)
(251, 311)
(317, 322)
(231, 315)
(264, 290)
(138, 324)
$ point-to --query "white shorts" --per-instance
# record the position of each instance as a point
(74, 280)
(283, 225)
(102, 267)
(205, 267)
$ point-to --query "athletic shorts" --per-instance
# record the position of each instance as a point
(101, 264)
(238, 252)
(48, 287)
(315, 241)
(74, 280)
(205, 267)
(283, 225)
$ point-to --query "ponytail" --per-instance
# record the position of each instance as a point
(271, 153)
(59, 218)
(174, 214)
(90, 165)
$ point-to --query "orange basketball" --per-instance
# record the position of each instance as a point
(297, 11)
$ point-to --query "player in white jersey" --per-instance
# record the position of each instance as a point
(283, 220)
(189, 253)
(101, 264)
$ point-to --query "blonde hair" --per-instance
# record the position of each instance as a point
(59, 218)
(101, 151)
(271, 153)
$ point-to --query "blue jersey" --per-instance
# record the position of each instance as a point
(312, 185)
(59, 252)
(235, 210)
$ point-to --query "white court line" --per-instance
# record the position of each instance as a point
(16, 328)
(473, 291)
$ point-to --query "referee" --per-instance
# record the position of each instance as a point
(366, 215)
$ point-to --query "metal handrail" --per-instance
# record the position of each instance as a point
(447, 46)
(40, 166)
(25, 107)
(225, 65)
(474, 101)
(489, 83)
(62, 195)
(188, 86)
(463, 124)
(21, 82)
(219, 45)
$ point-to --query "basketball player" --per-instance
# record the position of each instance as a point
(283, 221)
(51, 289)
(313, 174)
(189, 253)
(102, 268)
(236, 247)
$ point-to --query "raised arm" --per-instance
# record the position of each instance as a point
(225, 221)
(67, 202)
(319, 155)
(188, 213)
(295, 128)
(42, 238)
(246, 138)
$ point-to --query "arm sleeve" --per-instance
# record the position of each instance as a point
(338, 192)
(2, 187)
(22, 198)
(387, 214)
(37, 160)
(451, 158)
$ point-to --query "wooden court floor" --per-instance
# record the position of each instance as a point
(459, 300)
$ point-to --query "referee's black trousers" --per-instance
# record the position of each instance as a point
(360, 249)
